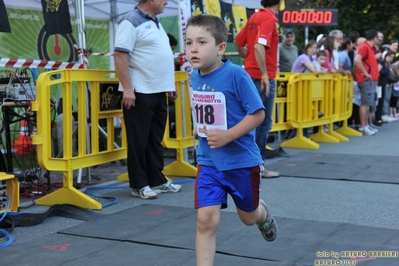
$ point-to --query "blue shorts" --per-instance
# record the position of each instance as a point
(212, 187)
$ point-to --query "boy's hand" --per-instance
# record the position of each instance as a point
(195, 134)
(217, 138)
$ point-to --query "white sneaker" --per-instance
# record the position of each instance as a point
(144, 193)
(167, 187)
(372, 128)
(270, 174)
(366, 131)
(388, 118)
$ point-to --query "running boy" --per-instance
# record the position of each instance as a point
(227, 109)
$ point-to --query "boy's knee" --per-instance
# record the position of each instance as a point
(207, 223)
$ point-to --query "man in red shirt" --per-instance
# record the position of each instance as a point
(257, 43)
(367, 78)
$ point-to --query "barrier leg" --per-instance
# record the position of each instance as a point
(301, 142)
(180, 167)
(336, 135)
(347, 131)
(321, 136)
(69, 195)
(123, 177)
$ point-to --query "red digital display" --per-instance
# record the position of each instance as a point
(309, 17)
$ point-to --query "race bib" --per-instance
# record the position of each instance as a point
(209, 111)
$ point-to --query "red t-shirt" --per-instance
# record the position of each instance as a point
(369, 62)
(260, 28)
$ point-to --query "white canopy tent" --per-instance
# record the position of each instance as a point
(110, 10)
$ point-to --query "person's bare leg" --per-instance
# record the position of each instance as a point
(250, 218)
(363, 115)
(208, 219)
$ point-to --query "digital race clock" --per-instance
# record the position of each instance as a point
(309, 17)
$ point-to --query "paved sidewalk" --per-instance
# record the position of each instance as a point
(357, 203)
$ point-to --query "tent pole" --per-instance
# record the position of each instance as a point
(112, 24)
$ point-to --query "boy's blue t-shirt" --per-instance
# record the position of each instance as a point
(228, 89)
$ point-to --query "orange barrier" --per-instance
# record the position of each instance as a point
(23, 145)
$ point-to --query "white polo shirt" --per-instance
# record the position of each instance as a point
(151, 62)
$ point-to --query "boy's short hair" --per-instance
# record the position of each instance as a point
(213, 24)
(321, 53)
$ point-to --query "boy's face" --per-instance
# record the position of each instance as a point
(321, 59)
(201, 49)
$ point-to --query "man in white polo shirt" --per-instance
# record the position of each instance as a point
(144, 65)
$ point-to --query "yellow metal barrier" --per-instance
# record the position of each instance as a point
(184, 130)
(344, 106)
(105, 104)
(307, 96)
(10, 183)
(184, 134)
(280, 103)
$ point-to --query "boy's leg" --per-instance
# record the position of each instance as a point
(250, 218)
(244, 185)
(209, 197)
(205, 245)
(264, 220)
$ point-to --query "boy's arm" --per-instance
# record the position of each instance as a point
(218, 138)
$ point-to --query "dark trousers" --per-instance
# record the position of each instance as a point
(380, 105)
(354, 119)
(145, 126)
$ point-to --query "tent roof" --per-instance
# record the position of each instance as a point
(101, 9)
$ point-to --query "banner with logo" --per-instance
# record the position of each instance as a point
(197, 7)
(226, 12)
(240, 17)
(30, 40)
(212, 7)
(56, 16)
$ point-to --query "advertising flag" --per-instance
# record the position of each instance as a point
(197, 7)
(240, 17)
(56, 17)
(227, 16)
(4, 23)
(212, 7)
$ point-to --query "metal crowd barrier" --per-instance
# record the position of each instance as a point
(316, 100)
(98, 99)
(300, 101)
